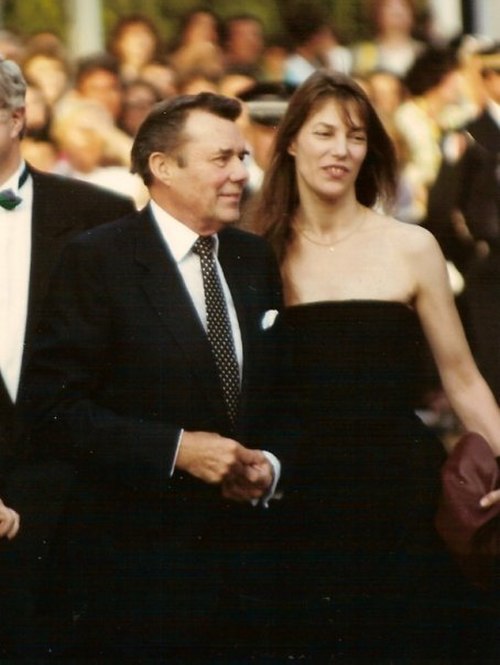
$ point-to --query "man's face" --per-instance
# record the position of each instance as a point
(207, 176)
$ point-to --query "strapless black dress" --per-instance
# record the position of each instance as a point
(361, 472)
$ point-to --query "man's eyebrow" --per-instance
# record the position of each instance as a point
(228, 152)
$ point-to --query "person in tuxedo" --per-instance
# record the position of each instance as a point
(479, 202)
(39, 213)
(128, 379)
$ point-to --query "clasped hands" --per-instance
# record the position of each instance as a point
(244, 474)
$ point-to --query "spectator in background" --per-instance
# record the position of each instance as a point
(93, 150)
(98, 77)
(139, 97)
(276, 51)
(393, 46)
(38, 112)
(50, 68)
(134, 42)
(232, 83)
(12, 46)
(243, 44)
(162, 75)
(264, 105)
(479, 202)
(387, 93)
(37, 145)
(195, 81)
(313, 44)
(98, 82)
(197, 47)
(433, 84)
(197, 25)
(430, 148)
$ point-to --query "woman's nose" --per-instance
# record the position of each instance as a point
(339, 145)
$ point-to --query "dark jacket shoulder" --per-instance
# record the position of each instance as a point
(75, 197)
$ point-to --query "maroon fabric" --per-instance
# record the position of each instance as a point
(471, 533)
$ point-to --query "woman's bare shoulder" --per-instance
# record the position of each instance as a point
(411, 237)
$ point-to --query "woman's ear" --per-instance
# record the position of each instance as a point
(291, 150)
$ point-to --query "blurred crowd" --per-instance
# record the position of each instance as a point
(439, 99)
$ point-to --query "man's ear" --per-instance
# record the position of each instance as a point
(161, 167)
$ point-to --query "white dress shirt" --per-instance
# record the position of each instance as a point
(180, 239)
(494, 110)
(15, 261)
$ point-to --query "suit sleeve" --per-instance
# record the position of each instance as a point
(66, 397)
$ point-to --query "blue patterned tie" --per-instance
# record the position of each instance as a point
(218, 326)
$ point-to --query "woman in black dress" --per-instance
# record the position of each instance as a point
(360, 571)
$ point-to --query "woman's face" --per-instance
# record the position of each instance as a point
(329, 150)
(137, 44)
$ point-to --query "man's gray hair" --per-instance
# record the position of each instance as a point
(12, 85)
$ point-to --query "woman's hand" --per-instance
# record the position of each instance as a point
(490, 499)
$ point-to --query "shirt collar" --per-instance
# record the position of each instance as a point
(494, 110)
(13, 182)
(178, 237)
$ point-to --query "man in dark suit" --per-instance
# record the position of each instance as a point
(39, 213)
(127, 377)
(479, 201)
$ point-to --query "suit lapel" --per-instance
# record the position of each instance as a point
(47, 240)
(166, 291)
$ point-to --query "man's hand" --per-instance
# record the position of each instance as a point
(215, 459)
(9, 521)
(253, 484)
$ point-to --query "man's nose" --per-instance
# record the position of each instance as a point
(239, 171)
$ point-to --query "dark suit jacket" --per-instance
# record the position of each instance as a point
(480, 185)
(62, 208)
(480, 203)
(122, 363)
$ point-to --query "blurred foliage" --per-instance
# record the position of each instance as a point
(26, 17)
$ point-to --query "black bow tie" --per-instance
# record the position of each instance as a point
(9, 200)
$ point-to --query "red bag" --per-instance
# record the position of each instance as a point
(470, 532)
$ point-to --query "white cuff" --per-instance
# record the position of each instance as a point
(172, 468)
(276, 464)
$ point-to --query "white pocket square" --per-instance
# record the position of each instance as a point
(269, 318)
